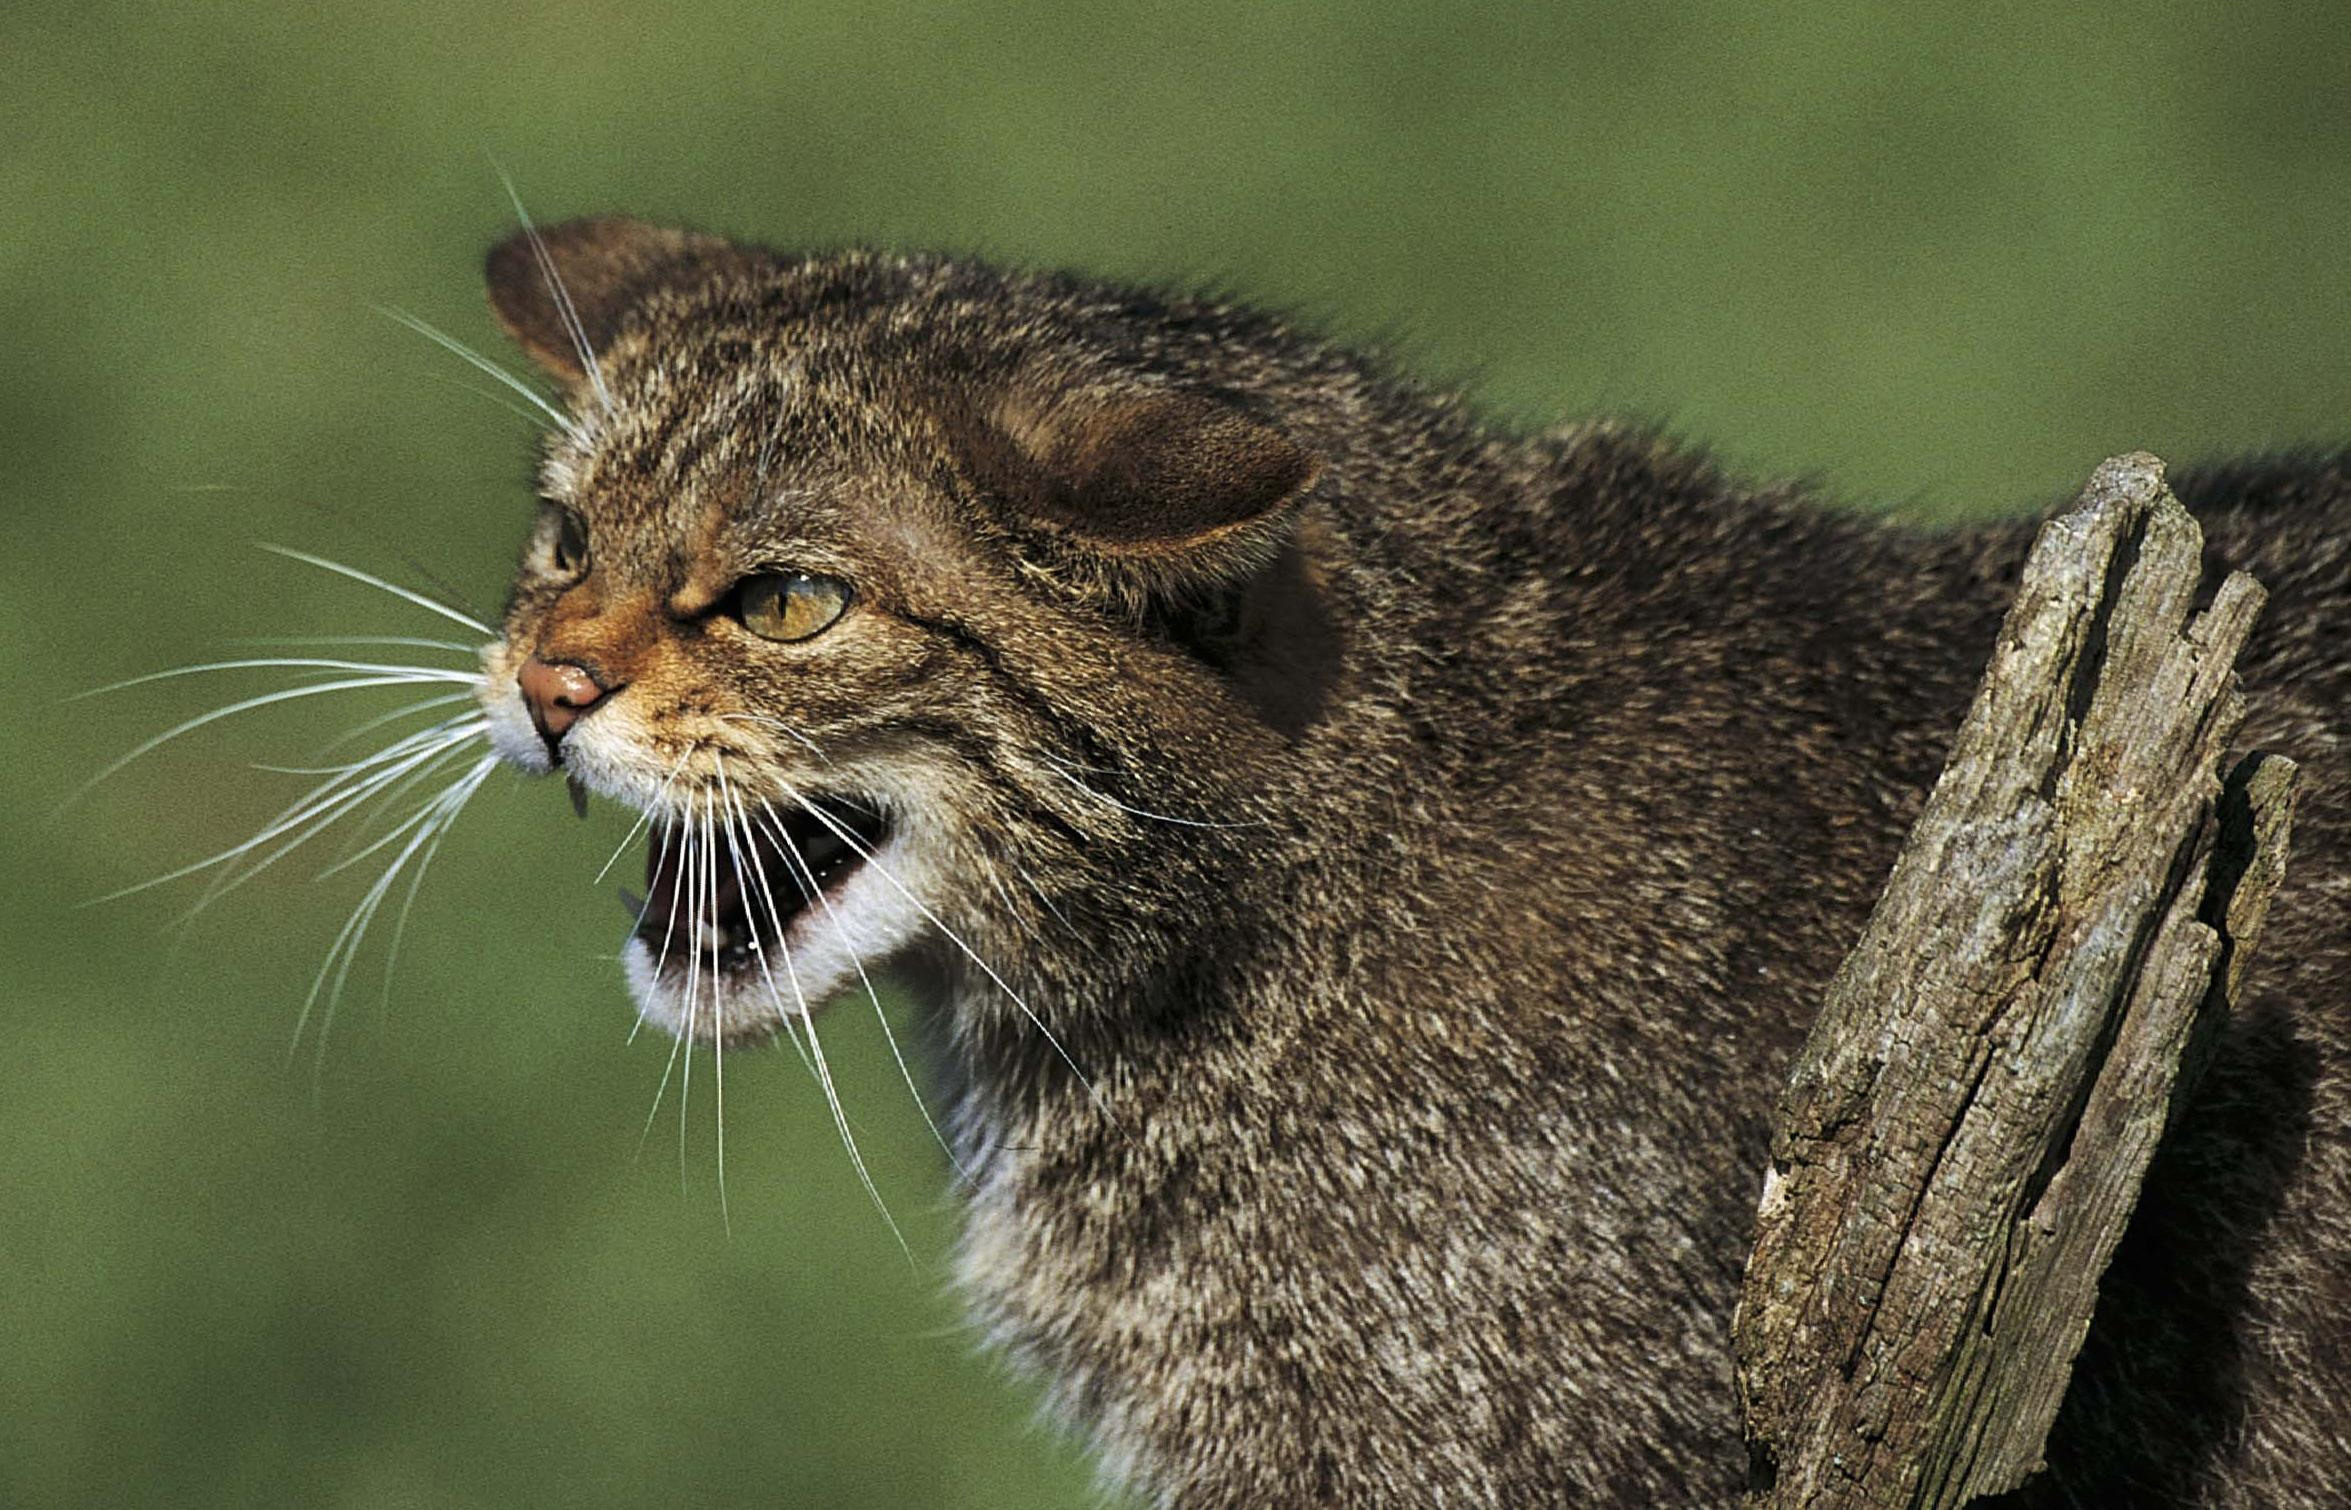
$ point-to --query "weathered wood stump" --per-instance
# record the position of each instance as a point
(1962, 1139)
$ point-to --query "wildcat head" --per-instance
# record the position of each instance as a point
(876, 585)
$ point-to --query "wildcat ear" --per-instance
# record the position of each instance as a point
(1153, 483)
(560, 294)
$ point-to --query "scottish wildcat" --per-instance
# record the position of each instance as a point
(1368, 870)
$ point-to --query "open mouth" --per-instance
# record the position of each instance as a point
(715, 901)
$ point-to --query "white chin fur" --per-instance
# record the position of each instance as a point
(868, 920)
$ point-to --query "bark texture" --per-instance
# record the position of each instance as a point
(1962, 1139)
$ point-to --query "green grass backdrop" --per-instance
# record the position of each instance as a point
(1945, 256)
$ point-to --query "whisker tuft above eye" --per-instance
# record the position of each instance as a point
(565, 308)
(449, 343)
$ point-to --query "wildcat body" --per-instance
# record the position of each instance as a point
(1368, 872)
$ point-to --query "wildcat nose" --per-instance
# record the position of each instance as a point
(558, 693)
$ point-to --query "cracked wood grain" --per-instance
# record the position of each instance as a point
(1961, 1140)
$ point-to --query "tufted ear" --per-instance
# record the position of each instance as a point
(1155, 488)
(561, 294)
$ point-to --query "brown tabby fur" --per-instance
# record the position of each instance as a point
(1428, 841)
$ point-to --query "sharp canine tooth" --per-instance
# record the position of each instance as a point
(579, 795)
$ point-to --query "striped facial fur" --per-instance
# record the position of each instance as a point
(793, 822)
(866, 650)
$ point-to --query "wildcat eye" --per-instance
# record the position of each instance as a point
(791, 605)
(571, 544)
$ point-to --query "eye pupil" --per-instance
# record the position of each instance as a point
(789, 606)
(571, 544)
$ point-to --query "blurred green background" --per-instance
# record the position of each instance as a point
(1945, 257)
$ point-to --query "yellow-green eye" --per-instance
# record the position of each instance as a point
(792, 605)
(571, 544)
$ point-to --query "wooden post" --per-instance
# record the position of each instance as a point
(1962, 1138)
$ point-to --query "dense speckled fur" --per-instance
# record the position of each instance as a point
(1531, 789)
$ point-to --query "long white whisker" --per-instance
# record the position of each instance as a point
(853, 842)
(1011, 908)
(442, 812)
(460, 725)
(643, 818)
(336, 795)
(408, 901)
(707, 908)
(395, 762)
(718, 1037)
(388, 838)
(823, 1069)
(355, 731)
(805, 878)
(287, 694)
(1031, 883)
(563, 305)
(434, 605)
(500, 399)
(379, 794)
(718, 1029)
(683, 834)
(757, 872)
(694, 913)
(354, 930)
(1065, 771)
(780, 726)
(393, 673)
(484, 365)
(401, 641)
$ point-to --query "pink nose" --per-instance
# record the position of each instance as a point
(559, 693)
